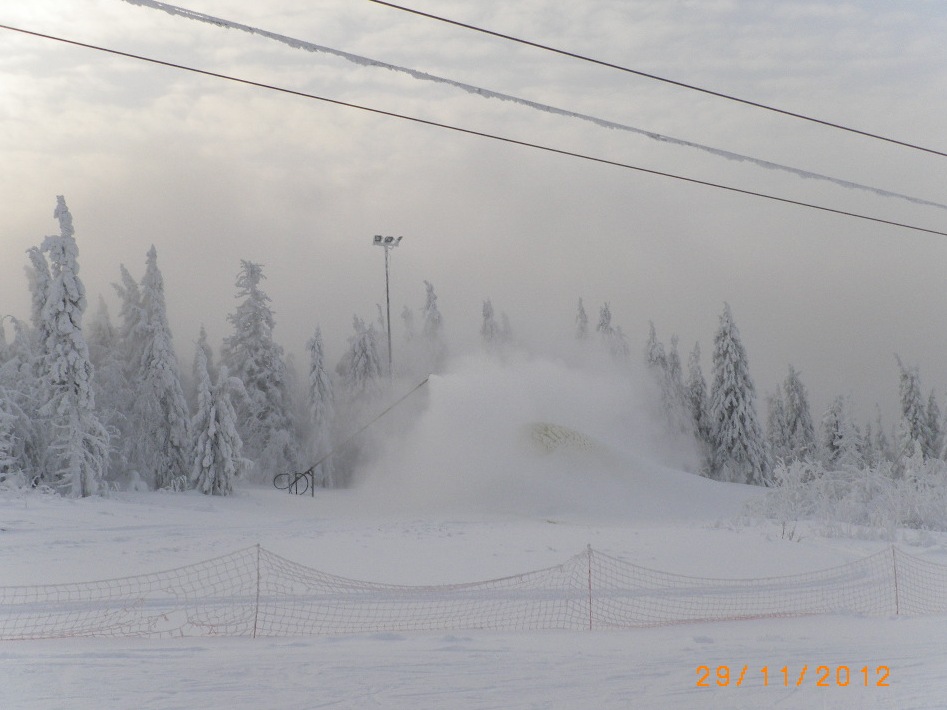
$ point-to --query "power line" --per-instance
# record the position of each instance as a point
(481, 134)
(681, 84)
(490, 94)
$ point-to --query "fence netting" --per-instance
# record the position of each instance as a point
(254, 592)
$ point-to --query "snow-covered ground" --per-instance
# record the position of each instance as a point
(467, 496)
(47, 539)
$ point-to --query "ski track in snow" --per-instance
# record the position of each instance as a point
(489, 94)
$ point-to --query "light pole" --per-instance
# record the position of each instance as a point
(388, 243)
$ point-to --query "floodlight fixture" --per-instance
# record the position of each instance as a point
(385, 241)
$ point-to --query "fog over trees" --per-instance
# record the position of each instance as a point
(89, 405)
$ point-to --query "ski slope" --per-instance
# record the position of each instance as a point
(48, 539)
(438, 505)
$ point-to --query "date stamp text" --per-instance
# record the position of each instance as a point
(819, 676)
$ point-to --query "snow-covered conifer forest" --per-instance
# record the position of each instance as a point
(504, 455)
(89, 405)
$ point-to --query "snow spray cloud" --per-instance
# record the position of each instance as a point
(475, 447)
(489, 94)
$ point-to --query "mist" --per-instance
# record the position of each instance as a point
(474, 448)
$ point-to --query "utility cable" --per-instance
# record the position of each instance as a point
(681, 84)
(490, 94)
(468, 131)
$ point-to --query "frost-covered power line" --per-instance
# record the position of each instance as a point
(481, 134)
(490, 94)
(673, 82)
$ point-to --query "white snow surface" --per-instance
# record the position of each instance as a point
(462, 496)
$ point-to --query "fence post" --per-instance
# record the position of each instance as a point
(589, 550)
(894, 564)
(256, 606)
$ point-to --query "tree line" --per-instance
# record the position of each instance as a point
(89, 407)
(734, 443)
(85, 407)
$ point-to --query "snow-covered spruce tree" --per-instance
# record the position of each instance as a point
(31, 348)
(506, 329)
(489, 328)
(360, 376)
(935, 443)
(913, 426)
(841, 440)
(321, 412)
(23, 382)
(129, 334)
(676, 400)
(217, 451)
(114, 397)
(881, 442)
(698, 405)
(829, 432)
(101, 337)
(655, 355)
(777, 432)
(130, 315)
(80, 444)
(11, 470)
(790, 430)
(581, 322)
(38, 276)
(432, 331)
(604, 326)
(868, 453)
(800, 429)
(665, 367)
(360, 367)
(497, 337)
(14, 422)
(162, 419)
(738, 444)
(613, 339)
(204, 346)
(265, 416)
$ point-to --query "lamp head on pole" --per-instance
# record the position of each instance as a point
(388, 242)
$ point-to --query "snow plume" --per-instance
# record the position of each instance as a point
(476, 447)
(489, 94)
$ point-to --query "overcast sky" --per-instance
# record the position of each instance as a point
(212, 172)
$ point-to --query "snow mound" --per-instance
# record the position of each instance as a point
(539, 439)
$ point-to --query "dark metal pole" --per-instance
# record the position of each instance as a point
(388, 306)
